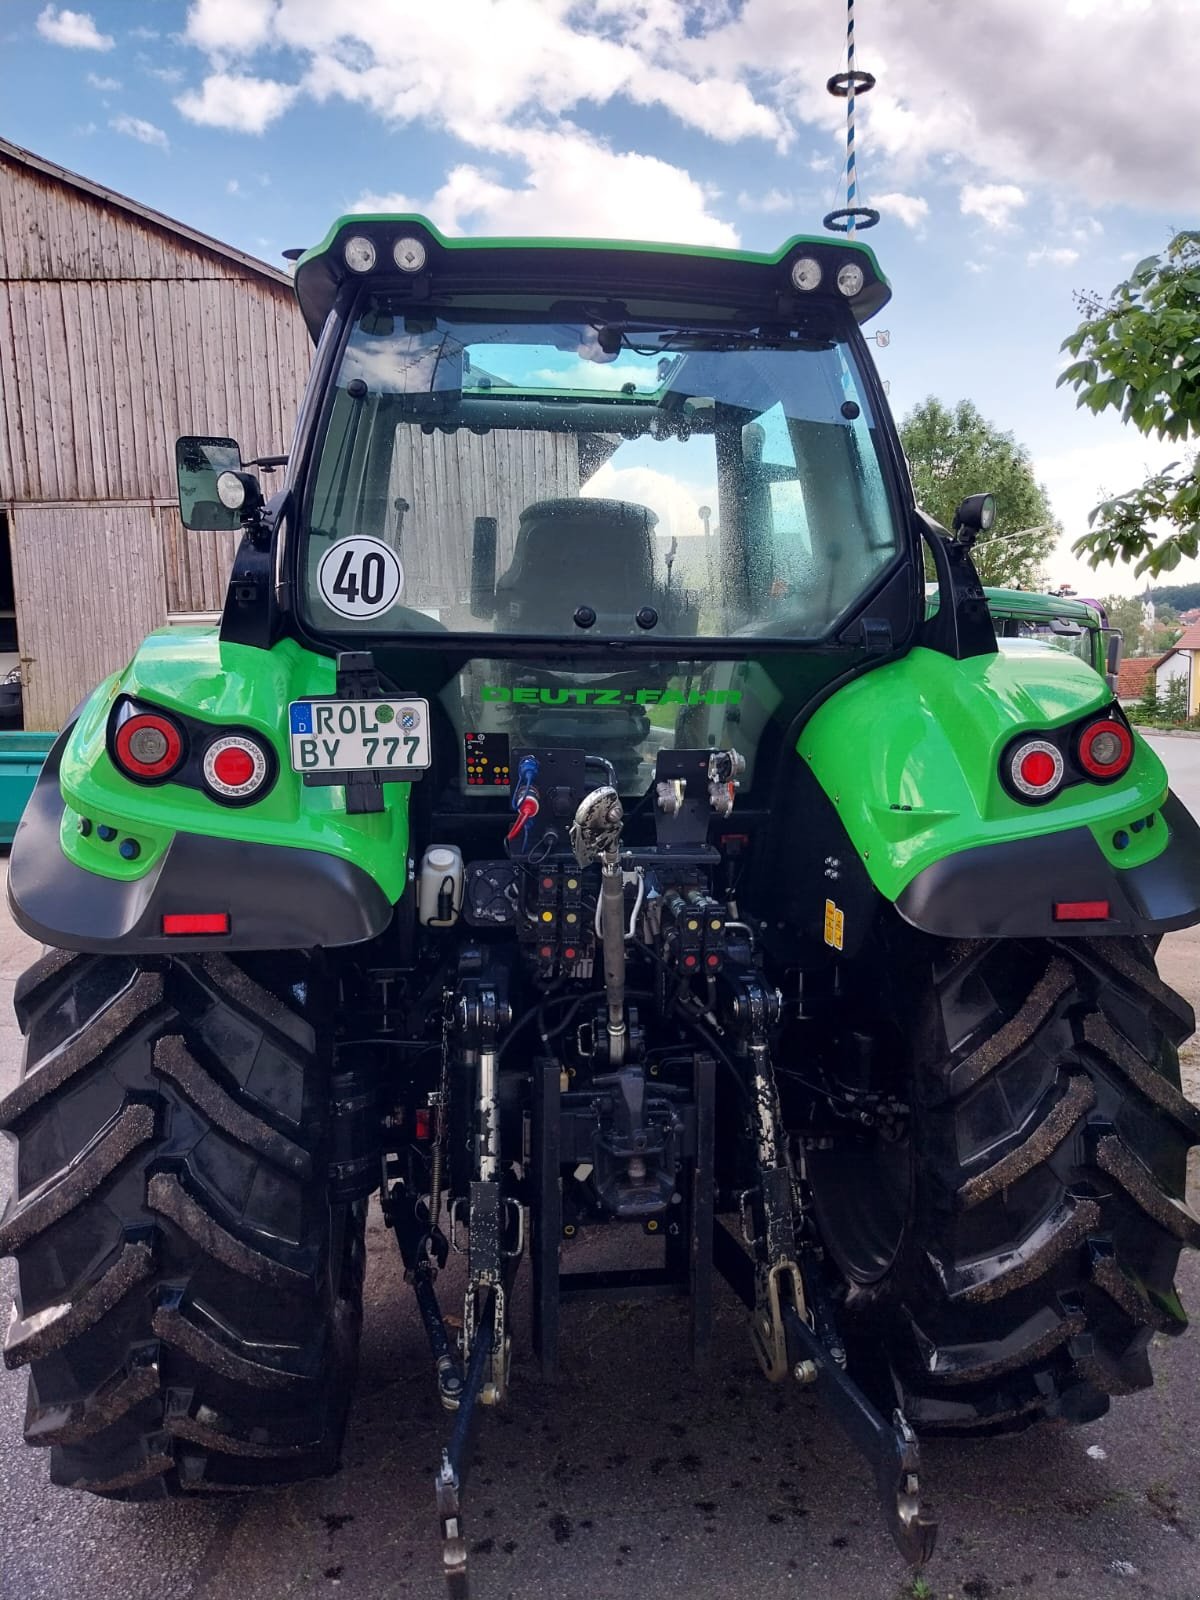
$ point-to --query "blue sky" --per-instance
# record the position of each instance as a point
(1020, 150)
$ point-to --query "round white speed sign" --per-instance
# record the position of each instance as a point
(360, 577)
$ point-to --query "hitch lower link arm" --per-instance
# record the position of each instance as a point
(793, 1328)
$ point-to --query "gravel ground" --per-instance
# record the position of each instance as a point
(634, 1477)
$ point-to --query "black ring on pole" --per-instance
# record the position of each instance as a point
(859, 216)
(842, 82)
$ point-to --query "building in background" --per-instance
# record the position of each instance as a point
(1182, 660)
(120, 329)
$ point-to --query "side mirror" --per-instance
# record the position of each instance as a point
(1114, 641)
(974, 515)
(199, 462)
(483, 568)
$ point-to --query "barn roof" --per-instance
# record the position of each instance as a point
(18, 156)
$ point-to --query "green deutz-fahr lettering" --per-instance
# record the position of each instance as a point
(531, 695)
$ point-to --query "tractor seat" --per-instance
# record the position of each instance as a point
(572, 553)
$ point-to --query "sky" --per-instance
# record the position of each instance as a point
(1019, 152)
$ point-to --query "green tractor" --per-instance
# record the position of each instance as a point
(1024, 620)
(576, 820)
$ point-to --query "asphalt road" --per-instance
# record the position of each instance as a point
(633, 1477)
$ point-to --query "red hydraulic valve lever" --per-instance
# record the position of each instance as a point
(527, 809)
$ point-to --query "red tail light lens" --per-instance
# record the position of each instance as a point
(148, 746)
(1035, 769)
(1105, 749)
(235, 767)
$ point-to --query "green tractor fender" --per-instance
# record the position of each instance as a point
(916, 759)
(101, 862)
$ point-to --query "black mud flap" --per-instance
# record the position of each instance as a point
(276, 897)
(1011, 890)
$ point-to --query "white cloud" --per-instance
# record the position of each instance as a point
(137, 128)
(74, 29)
(233, 187)
(1060, 257)
(574, 185)
(483, 61)
(234, 27)
(675, 503)
(910, 209)
(1112, 147)
(104, 85)
(233, 101)
(166, 74)
(772, 201)
(994, 202)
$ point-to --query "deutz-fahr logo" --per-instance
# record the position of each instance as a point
(534, 696)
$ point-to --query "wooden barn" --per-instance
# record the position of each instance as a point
(120, 329)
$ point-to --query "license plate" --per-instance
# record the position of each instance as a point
(359, 735)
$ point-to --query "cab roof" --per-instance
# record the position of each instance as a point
(592, 267)
(1032, 603)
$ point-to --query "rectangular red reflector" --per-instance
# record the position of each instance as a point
(196, 922)
(1081, 911)
(422, 1123)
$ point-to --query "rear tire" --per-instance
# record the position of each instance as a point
(1041, 1208)
(189, 1302)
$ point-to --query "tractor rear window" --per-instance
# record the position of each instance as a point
(536, 477)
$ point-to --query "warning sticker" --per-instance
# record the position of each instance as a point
(835, 925)
(360, 577)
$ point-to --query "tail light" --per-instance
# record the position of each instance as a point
(1105, 749)
(148, 747)
(235, 768)
(1035, 769)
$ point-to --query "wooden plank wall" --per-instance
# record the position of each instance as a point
(117, 336)
(91, 584)
(100, 379)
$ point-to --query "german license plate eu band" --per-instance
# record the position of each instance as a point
(359, 735)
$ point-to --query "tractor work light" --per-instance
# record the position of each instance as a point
(359, 253)
(806, 273)
(850, 279)
(1105, 749)
(408, 254)
(1036, 769)
(235, 768)
(231, 491)
(148, 747)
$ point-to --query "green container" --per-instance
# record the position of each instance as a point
(21, 757)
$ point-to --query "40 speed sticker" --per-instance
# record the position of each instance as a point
(360, 577)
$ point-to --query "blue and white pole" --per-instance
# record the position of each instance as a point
(847, 85)
(851, 176)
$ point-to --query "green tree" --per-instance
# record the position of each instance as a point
(954, 453)
(1183, 596)
(1139, 354)
(1124, 612)
(1174, 701)
(1148, 709)
(1166, 630)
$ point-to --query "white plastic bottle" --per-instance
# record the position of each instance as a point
(440, 886)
